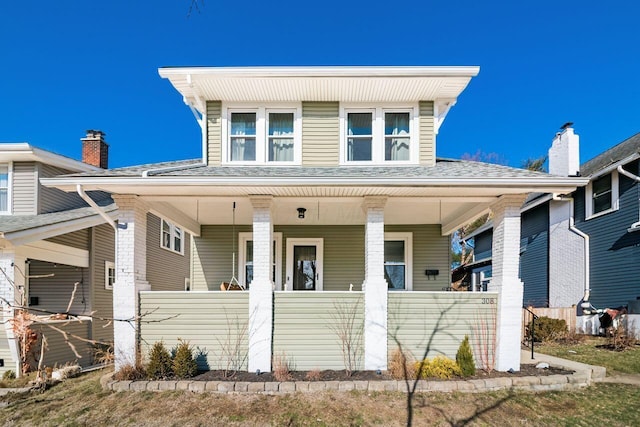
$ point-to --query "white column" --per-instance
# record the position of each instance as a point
(505, 261)
(131, 276)
(261, 288)
(12, 287)
(375, 286)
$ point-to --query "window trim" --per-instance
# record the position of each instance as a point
(615, 196)
(318, 242)
(243, 237)
(172, 236)
(9, 210)
(378, 137)
(407, 237)
(109, 265)
(262, 132)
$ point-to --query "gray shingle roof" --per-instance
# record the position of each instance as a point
(614, 154)
(15, 223)
(444, 168)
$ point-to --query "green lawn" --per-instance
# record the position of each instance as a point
(81, 401)
(588, 351)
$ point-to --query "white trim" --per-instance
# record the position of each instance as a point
(109, 265)
(407, 238)
(262, 138)
(24, 152)
(9, 210)
(319, 244)
(378, 136)
(243, 237)
(173, 233)
(615, 197)
(54, 253)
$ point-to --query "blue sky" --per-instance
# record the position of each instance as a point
(67, 66)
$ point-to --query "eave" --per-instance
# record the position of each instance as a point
(24, 152)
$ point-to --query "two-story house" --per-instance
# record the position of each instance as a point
(319, 194)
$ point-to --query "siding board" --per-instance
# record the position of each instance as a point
(427, 134)
(534, 256)
(166, 270)
(77, 239)
(55, 292)
(103, 242)
(214, 132)
(320, 134)
(62, 339)
(24, 191)
(52, 199)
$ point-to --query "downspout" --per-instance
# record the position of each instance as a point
(95, 207)
(636, 225)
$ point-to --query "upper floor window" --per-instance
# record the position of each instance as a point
(172, 237)
(263, 135)
(4, 188)
(378, 135)
(602, 195)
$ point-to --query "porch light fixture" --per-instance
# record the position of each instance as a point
(301, 212)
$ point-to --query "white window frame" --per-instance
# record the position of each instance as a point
(262, 130)
(319, 244)
(173, 233)
(242, 257)
(9, 166)
(480, 275)
(615, 196)
(407, 237)
(378, 137)
(109, 265)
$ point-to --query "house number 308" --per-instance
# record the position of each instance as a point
(488, 300)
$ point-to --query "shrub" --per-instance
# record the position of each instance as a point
(184, 365)
(8, 375)
(619, 338)
(130, 372)
(159, 365)
(464, 358)
(281, 369)
(438, 367)
(313, 375)
(547, 329)
(401, 367)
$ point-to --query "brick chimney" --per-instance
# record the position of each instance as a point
(95, 151)
(564, 154)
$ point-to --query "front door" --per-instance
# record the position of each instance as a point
(304, 264)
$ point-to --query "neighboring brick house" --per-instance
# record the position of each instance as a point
(319, 188)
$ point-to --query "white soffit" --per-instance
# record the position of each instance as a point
(343, 84)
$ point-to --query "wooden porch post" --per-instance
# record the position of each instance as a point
(505, 280)
(131, 277)
(375, 286)
(261, 288)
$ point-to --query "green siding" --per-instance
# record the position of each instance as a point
(77, 239)
(5, 353)
(320, 134)
(166, 270)
(102, 299)
(305, 328)
(210, 321)
(24, 191)
(442, 319)
(65, 343)
(427, 134)
(214, 132)
(54, 293)
(52, 199)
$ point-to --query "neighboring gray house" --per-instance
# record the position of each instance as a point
(585, 245)
(318, 191)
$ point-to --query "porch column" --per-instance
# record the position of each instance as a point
(12, 288)
(131, 277)
(505, 280)
(375, 286)
(261, 288)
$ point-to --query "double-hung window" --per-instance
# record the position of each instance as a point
(397, 260)
(245, 259)
(602, 194)
(109, 274)
(172, 237)
(4, 189)
(379, 135)
(263, 135)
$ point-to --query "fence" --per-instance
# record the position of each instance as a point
(568, 314)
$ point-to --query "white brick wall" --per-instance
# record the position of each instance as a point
(505, 280)
(375, 287)
(131, 271)
(261, 289)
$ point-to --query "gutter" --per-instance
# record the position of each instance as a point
(636, 225)
(95, 206)
(147, 172)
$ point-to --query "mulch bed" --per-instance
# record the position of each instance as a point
(526, 370)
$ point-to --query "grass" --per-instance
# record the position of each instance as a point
(589, 351)
(81, 401)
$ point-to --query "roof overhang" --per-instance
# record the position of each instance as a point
(343, 84)
(24, 152)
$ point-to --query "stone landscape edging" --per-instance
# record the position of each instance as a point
(578, 379)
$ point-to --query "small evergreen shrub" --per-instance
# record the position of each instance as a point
(464, 358)
(547, 329)
(159, 366)
(184, 365)
(439, 367)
